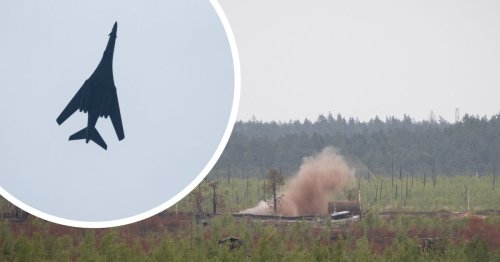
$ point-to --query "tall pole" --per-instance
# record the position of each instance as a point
(381, 183)
(494, 175)
(401, 184)
(433, 175)
(392, 169)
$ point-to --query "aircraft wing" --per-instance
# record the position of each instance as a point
(73, 105)
(116, 118)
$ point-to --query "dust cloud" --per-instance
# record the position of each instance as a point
(307, 193)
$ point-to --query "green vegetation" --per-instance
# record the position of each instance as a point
(181, 237)
(397, 239)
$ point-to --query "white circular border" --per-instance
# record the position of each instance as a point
(188, 188)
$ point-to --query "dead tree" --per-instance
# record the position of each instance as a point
(275, 180)
(215, 196)
(198, 198)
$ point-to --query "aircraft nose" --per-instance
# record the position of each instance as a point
(113, 31)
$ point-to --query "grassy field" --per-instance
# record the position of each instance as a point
(457, 193)
(452, 193)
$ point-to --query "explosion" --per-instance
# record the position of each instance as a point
(307, 193)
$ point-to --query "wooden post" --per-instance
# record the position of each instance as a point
(401, 184)
(406, 196)
(392, 169)
(360, 207)
(433, 175)
(494, 175)
(258, 188)
(368, 170)
(247, 192)
(232, 185)
(401, 194)
(425, 175)
(359, 183)
(466, 199)
(396, 196)
(381, 183)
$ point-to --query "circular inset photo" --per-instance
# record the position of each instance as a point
(112, 111)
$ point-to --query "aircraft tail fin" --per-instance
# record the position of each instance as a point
(95, 136)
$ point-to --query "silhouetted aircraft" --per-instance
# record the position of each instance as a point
(97, 97)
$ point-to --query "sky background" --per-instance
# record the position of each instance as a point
(366, 58)
(174, 76)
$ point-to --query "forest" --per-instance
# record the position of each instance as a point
(468, 146)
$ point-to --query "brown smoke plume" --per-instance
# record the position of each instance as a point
(307, 193)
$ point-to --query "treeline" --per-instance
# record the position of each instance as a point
(469, 146)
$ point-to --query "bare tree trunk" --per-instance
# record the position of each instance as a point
(392, 169)
(214, 199)
(466, 198)
(247, 194)
(434, 175)
(381, 183)
(401, 184)
(258, 188)
(359, 183)
(406, 186)
(275, 180)
(494, 175)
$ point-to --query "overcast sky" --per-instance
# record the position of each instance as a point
(366, 58)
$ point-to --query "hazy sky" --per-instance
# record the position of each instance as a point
(174, 76)
(366, 58)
